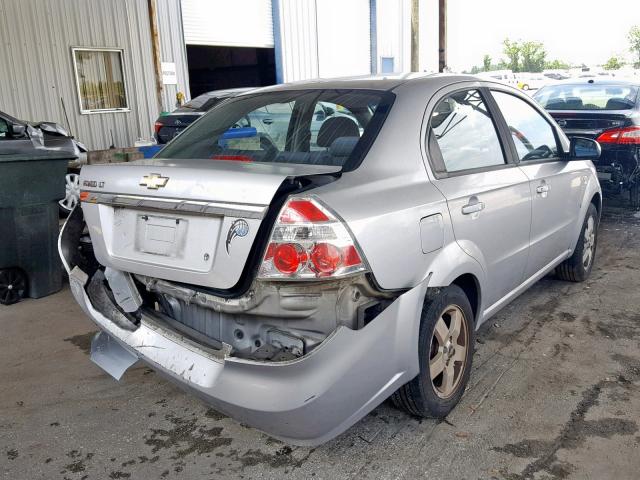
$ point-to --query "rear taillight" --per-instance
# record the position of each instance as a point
(157, 126)
(628, 136)
(309, 242)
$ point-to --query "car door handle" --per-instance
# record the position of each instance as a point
(267, 121)
(472, 208)
(542, 189)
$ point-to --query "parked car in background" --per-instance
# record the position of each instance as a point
(168, 126)
(608, 111)
(21, 137)
(556, 74)
(532, 81)
(296, 282)
(503, 76)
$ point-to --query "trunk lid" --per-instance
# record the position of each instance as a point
(168, 126)
(189, 221)
(590, 124)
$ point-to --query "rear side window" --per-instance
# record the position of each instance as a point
(532, 135)
(320, 127)
(464, 133)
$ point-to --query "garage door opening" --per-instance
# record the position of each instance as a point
(215, 68)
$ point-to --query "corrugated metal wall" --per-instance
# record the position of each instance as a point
(36, 67)
(298, 39)
(172, 49)
(315, 42)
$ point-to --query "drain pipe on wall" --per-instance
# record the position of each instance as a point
(155, 47)
(415, 35)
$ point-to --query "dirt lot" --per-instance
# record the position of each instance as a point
(553, 395)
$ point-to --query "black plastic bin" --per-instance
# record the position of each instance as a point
(30, 187)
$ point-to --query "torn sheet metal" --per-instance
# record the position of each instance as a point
(110, 355)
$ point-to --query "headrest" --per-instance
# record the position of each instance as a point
(336, 127)
(343, 146)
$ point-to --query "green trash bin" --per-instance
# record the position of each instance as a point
(30, 187)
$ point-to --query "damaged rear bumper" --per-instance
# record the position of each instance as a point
(305, 401)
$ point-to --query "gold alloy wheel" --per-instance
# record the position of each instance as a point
(589, 242)
(449, 350)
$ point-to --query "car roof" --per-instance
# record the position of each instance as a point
(383, 82)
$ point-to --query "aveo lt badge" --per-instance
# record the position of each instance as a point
(154, 181)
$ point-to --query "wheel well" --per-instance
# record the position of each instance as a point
(597, 202)
(469, 284)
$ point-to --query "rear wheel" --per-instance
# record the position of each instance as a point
(13, 285)
(578, 267)
(446, 343)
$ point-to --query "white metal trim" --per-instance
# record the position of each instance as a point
(124, 80)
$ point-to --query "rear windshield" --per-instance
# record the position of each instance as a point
(587, 97)
(319, 127)
(201, 103)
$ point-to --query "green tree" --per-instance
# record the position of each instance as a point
(512, 51)
(634, 43)
(614, 63)
(486, 63)
(533, 56)
(557, 65)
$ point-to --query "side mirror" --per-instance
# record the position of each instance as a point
(582, 148)
(16, 130)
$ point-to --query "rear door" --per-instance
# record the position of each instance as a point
(557, 185)
(488, 196)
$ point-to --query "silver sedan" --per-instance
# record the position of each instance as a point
(298, 273)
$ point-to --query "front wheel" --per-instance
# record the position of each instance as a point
(445, 349)
(578, 267)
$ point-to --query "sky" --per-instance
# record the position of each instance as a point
(575, 31)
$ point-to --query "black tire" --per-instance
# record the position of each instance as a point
(13, 285)
(575, 269)
(420, 396)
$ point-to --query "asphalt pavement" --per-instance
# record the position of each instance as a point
(554, 394)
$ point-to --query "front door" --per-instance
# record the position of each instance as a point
(557, 186)
(489, 198)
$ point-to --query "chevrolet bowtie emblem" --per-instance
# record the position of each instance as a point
(154, 181)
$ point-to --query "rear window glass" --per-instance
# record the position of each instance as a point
(587, 97)
(200, 103)
(320, 127)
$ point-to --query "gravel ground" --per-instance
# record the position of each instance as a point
(553, 395)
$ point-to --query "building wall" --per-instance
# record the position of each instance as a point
(172, 49)
(36, 66)
(313, 40)
(296, 39)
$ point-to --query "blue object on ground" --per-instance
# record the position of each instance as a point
(150, 150)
